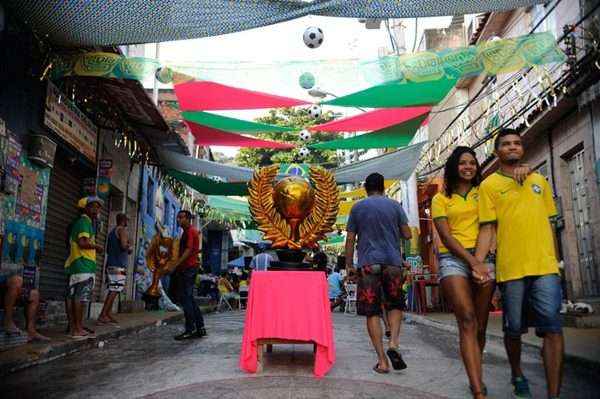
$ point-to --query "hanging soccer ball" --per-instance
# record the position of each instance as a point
(304, 152)
(304, 135)
(307, 80)
(315, 111)
(313, 37)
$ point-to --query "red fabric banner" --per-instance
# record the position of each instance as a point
(373, 120)
(208, 136)
(288, 305)
(207, 96)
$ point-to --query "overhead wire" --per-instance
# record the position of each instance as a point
(546, 92)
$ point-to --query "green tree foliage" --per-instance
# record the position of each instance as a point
(296, 117)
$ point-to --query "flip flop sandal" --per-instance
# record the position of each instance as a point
(396, 359)
(380, 371)
(13, 331)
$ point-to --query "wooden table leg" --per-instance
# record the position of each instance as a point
(259, 365)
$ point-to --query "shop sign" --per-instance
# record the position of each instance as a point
(66, 120)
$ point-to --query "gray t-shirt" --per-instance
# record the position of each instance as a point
(376, 220)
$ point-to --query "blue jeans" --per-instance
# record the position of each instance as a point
(532, 301)
(191, 311)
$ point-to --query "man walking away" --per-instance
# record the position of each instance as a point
(117, 251)
(186, 268)
(380, 223)
(81, 264)
(527, 268)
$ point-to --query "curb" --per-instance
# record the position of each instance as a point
(572, 359)
(61, 350)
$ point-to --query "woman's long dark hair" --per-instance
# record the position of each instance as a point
(451, 177)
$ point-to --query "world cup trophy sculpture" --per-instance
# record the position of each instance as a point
(160, 259)
(293, 213)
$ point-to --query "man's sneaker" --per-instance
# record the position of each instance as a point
(185, 335)
(520, 387)
(201, 332)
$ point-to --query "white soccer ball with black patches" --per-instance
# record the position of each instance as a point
(305, 135)
(313, 37)
(315, 111)
(304, 152)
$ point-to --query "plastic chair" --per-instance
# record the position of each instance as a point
(224, 300)
(351, 290)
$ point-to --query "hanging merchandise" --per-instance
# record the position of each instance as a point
(391, 137)
(396, 94)
(313, 37)
(208, 136)
(372, 120)
(315, 111)
(307, 81)
(231, 124)
(208, 186)
(206, 96)
(164, 75)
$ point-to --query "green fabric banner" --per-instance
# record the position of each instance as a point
(229, 205)
(390, 137)
(208, 186)
(228, 124)
(490, 57)
(397, 94)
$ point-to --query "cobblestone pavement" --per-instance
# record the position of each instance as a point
(152, 364)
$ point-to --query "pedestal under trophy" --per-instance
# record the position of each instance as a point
(294, 213)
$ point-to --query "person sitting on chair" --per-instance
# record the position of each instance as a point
(226, 289)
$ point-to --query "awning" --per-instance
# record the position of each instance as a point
(208, 186)
(185, 163)
(90, 23)
(394, 165)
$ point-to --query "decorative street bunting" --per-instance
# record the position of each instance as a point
(373, 120)
(206, 96)
(231, 124)
(390, 137)
(397, 94)
(208, 136)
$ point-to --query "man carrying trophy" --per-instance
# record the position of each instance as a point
(186, 268)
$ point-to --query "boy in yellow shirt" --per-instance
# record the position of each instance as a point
(526, 264)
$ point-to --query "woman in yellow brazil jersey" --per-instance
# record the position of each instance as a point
(467, 279)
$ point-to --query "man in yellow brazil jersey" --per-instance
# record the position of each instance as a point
(526, 263)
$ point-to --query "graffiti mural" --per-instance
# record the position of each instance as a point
(22, 211)
(158, 206)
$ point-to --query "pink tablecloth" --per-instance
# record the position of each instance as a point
(289, 305)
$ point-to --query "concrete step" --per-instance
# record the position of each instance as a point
(582, 320)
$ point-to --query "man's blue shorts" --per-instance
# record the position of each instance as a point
(532, 301)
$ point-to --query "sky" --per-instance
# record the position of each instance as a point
(272, 58)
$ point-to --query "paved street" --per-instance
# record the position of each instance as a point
(151, 364)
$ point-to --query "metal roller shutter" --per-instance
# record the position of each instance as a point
(63, 194)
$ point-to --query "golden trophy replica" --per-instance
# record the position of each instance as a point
(160, 258)
(293, 213)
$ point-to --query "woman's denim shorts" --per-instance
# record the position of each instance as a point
(451, 265)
